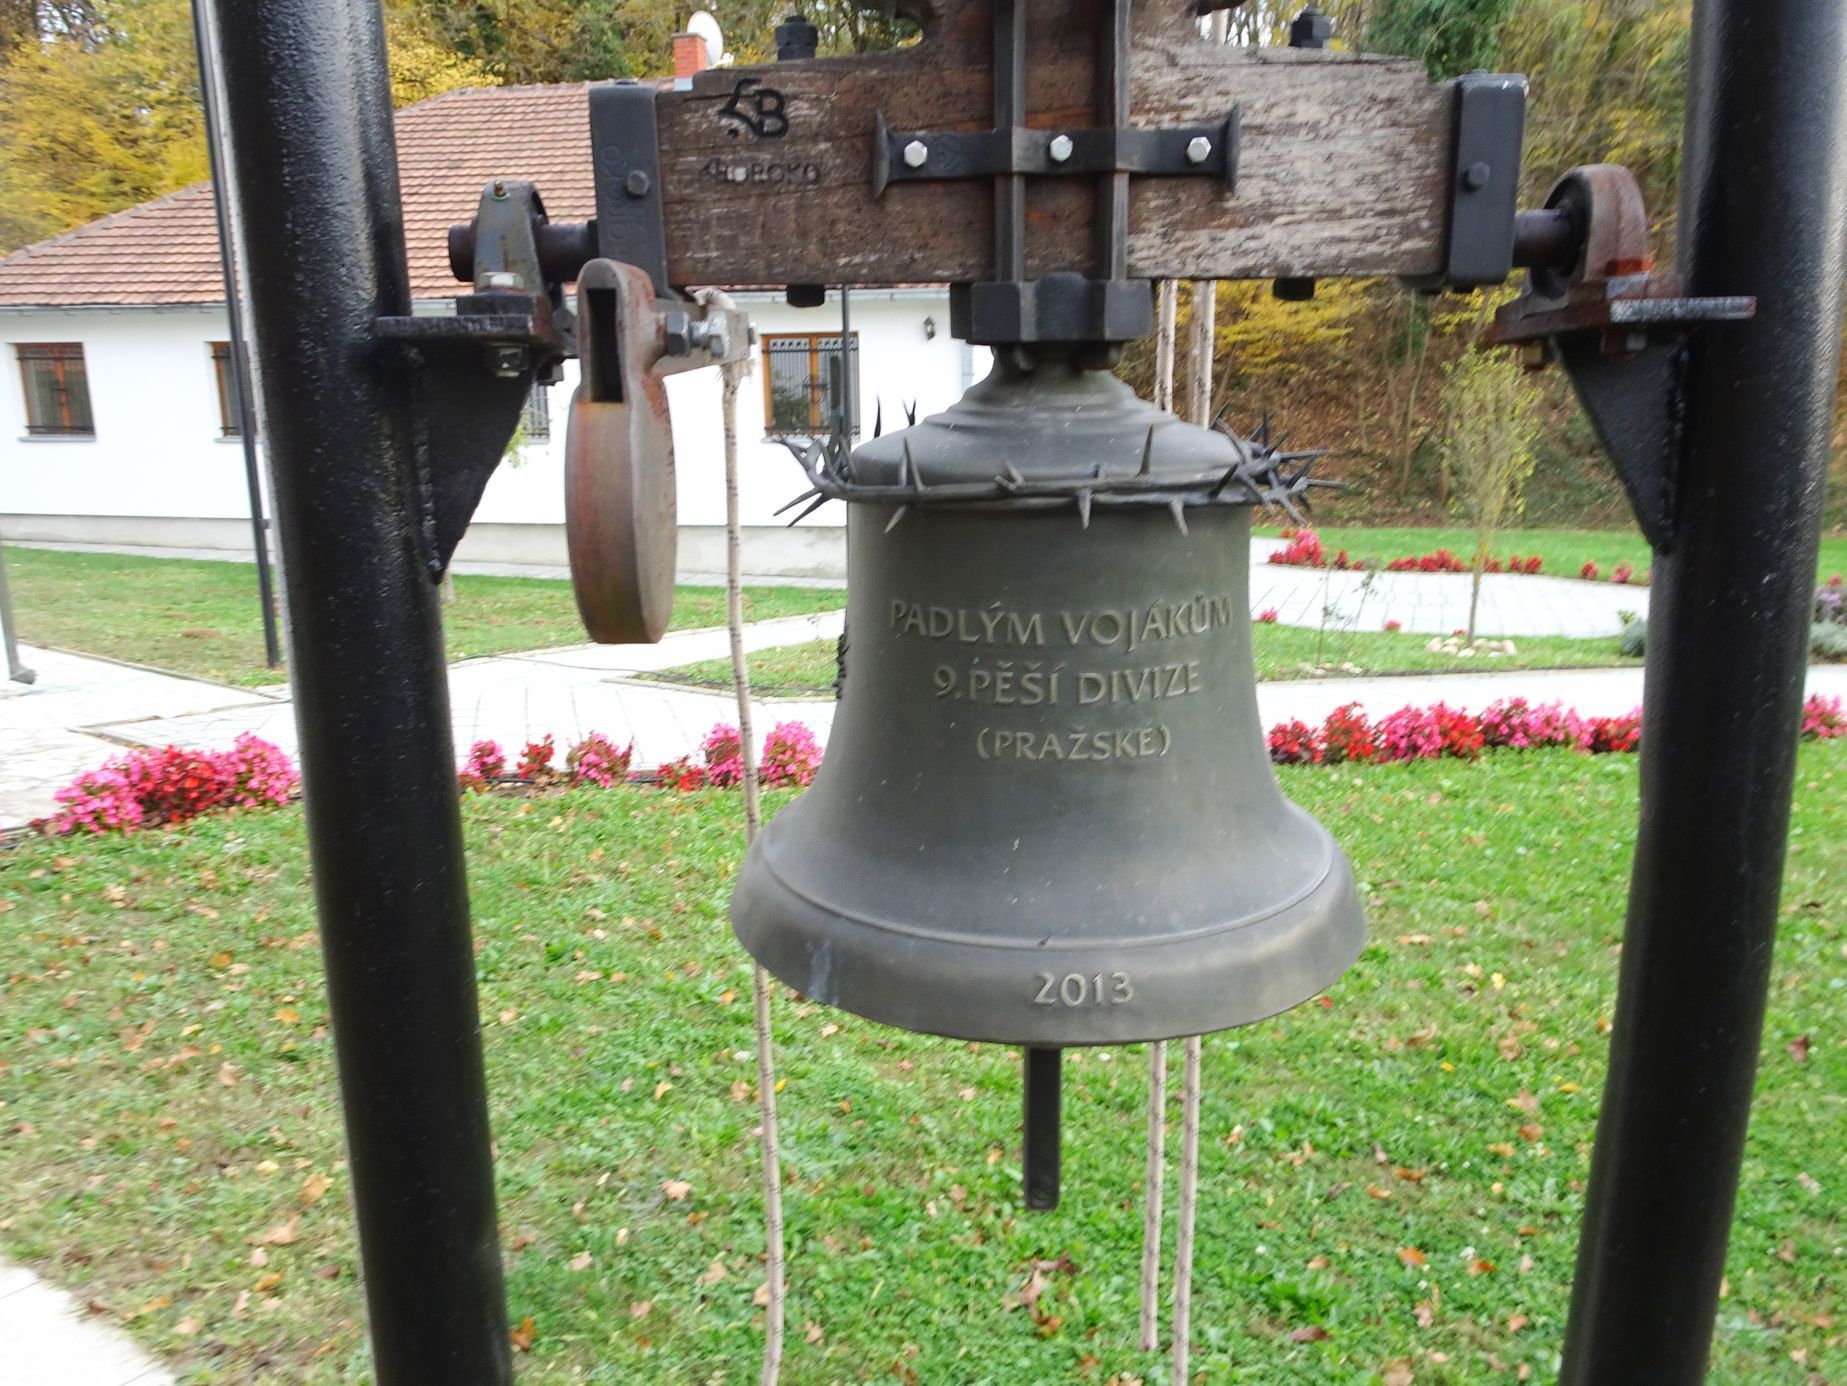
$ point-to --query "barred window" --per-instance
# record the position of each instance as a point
(801, 372)
(57, 390)
(224, 371)
(536, 420)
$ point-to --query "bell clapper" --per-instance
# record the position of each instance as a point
(1040, 1153)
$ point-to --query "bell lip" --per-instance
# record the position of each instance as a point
(1272, 963)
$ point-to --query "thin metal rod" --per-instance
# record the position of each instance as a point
(1040, 1154)
(312, 169)
(1155, 1178)
(1179, 1352)
(234, 314)
(1009, 112)
(1764, 212)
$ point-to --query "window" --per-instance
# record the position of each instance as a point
(224, 370)
(801, 372)
(57, 390)
(535, 421)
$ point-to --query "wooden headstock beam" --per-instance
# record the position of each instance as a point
(766, 172)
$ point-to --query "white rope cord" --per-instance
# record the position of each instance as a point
(1189, 1203)
(773, 1312)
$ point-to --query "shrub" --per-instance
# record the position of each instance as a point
(1633, 642)
(486, 761)
(1822, 719)
(97, 801)
(1302, 551)
(1622, 572)
(1590, 572)
(791, 755)
(599, 761)
(1614, 735)
(1831, 603)
(1828, 641)
(1514, 724)
(262, 775)
(724, 756)
(1458, 733)
(1394, 625)
(1267, 616)
(1411, 733)
(1294, 743)
(684, 773)
(1348, 736)
(535, 762)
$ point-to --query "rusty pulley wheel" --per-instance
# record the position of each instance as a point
(619, 492)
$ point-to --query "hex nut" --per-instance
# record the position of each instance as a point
(509, 362)
(1198, 149)
(1059, 149)
(916, 153)
(637, 183)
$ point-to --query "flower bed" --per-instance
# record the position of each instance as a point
(791, 755)
(1303, 548)
(1513, 724)
(145, 789)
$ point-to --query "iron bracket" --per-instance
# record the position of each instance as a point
(917, 156)
(469, 375)
(1484, 182)
(1594, 303)
(625, 153)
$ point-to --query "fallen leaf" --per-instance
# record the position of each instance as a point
(640, 1309)
(661, 1090)
(1786, 1253)
(1516, 1322)
(227, 1074)
(676, 1189)
(1311, 1333)
(1411, 1256)
(266, 1283)
(761, 1295)
(713, 1273)
(811, 1331)
(1399, 1374)
(523, 1335)
(187, 1326)
(314, 1188)
(581, 1261)
(283, 1233)
(1799, 1048)
(1532, 1131)
(1378, 1192)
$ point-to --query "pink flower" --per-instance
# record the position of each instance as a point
(1394, 625)
(791, 755)
(597, 760)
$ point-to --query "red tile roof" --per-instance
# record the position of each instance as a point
(449, 147)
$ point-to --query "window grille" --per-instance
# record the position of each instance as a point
(801, 372)
(57, 390)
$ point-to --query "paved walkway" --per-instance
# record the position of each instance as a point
(46, 1339)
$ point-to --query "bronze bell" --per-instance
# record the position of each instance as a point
(1047, 815)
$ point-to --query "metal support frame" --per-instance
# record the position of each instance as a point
(1764, 213)
(240, 346)
(313, 171)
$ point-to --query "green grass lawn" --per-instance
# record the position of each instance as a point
(1565, 551)
(1282, 652)
(202, 618)
(1398, 1171)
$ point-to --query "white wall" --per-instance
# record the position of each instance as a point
(157, 455)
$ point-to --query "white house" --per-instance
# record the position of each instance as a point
(117, 406)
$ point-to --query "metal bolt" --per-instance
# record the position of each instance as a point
(1475, 176)
(1198, 149)
(916, 153)
(637, 183)
(509, 362)
(1059, 149)
(500, 190)
(500, 279)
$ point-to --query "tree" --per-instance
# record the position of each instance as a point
(1489, 450)
(1450, 36)
(99, 106)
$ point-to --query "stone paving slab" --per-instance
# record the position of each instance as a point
(47, 1339)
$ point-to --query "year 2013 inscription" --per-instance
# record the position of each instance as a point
(1076, 989)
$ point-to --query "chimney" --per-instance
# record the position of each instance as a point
(689, 57)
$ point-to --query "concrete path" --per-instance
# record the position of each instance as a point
(1438, 603)
(47, 1339)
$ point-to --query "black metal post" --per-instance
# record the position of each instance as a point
(1040, 1154)
(240, 351)
(1764, 212)
(313, 171)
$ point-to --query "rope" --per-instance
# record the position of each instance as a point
(1164, 346)
(1189, 1204)
(773, 1313)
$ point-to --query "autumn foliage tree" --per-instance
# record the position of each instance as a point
(1488, 450)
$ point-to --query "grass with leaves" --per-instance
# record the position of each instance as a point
(1391, 1178)
(202, 617)
(809, 669)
